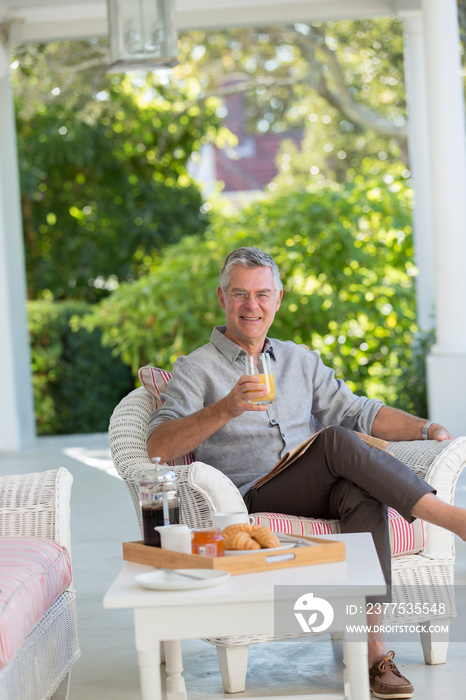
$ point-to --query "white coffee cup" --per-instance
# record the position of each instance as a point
(223, 520)
(175, 537)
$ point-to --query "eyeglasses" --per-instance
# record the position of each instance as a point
(261, 297)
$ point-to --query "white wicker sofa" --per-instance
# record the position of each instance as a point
(424, 561)
(38, 626)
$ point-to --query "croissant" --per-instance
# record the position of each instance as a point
(237, 527)
(245, 536)
(240, 540)
(265, 537)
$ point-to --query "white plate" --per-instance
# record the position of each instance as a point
(271, 550)
(171, 581)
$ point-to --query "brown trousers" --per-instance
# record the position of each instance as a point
(341, 477)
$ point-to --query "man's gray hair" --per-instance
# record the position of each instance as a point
(248, 257)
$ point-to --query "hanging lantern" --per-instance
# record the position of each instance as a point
(142, 35)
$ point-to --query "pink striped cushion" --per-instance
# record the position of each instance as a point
(405, 538)
(33, 573)
(295, 525)
(154, 381)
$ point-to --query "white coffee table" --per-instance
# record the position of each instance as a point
(244, 604)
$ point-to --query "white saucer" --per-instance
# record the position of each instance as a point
(171, 581)
(271, 550)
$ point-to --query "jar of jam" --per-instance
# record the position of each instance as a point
(208, 542)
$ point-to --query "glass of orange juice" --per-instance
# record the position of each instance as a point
(259, 365)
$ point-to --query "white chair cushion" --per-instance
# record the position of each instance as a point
(34, 571)
(217, 489)
(405, 538)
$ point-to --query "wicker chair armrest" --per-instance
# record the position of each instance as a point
(127, 434)
(37, 505)
(127, 438)
(440, 464)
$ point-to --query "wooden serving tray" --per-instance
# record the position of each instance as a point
(320, 551)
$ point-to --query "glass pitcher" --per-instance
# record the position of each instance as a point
(159, 500)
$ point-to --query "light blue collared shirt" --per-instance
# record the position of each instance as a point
(248, 446)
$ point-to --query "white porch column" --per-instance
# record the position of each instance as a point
(419, 156)
(16, 399)
(446, 365)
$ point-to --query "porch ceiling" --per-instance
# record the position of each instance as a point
(48, 20)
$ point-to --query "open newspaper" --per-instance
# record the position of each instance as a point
(296, 452)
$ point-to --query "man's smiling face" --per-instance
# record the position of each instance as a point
(248, 321)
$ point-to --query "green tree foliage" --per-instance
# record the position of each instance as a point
(342, 83)
(345, 254)
(76, 381)
(103, 163)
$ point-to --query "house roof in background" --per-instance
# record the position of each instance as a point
(255, 163)
(251, 165)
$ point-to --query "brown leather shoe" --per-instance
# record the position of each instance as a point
(386, 681)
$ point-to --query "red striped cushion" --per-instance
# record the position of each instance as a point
(154, 381)
(33, 573)
(295, 525)
(405, 538)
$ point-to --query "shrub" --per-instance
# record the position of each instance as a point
(76, 381)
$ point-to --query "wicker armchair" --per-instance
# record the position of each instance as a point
(205, 490)
(38, 505)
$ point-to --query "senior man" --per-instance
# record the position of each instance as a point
(207, 411)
